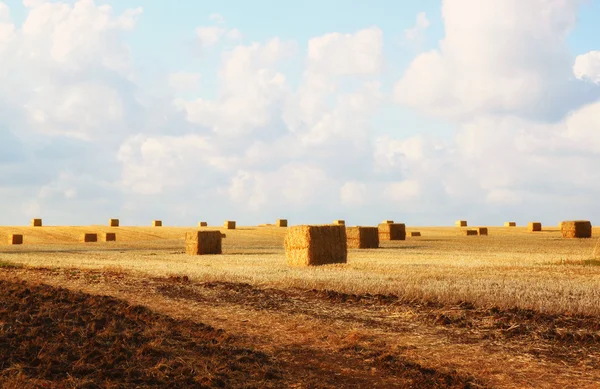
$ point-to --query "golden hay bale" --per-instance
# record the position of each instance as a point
(392, 231)
(482, 231)
(362, 237)
(110, 237)
(510, 224)
(113, 222)
(229, 224)
(88, 238)
(316, 245)
(470, 232)
(576, 229)
(339, 222)
(15, 239)
(203, 242)
(281, 223)
(415, 233)
(534, 226)
(461, 223)
(203, 224)
(36, 222)
(387, 222)
(156, 223)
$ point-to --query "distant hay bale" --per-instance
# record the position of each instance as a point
(203, 224)
(392, 231)
(36, 222)
(362, 237)
(229, 224)
(339, 222)
(461, 223)
(203, 243)
(110, 237)
(534, 226)
(576, 229)
(316, 245)
(482, 231)
(113, 222)
(387, 222)
(470, 232)
(15, 239)
(156, 223)
(415, 233)
(510, 224)
(281, 223)
(89, 238)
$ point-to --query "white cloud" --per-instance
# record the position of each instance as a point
(416, 35)
(184, 81)
(587, 67)
(353, 194)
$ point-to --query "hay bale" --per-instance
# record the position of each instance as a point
(113, 222)
(203, 243)
(415, 233)
(362, 237)
(387, 222)
(392, 231)
(470, 232)
(534, 226)
(281, 223)
(510, 224)
(461, 223)
(229, 224)
(482, 231)
(15, 239)
(316, 245)
(156, 223)
(36, 222)
(110, 237)
(89, 238)
(576, 229)
(203, 224)
(339, 222)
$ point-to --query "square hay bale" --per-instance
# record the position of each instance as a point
(110, 237)
(387, 222)
(482, 231)
(229, 224)
(362, 237)
(316, 245)
(534, 226)
(415, 233)
(203, 243)
(461, 223)
(392, 231)
(15, 239)
(576, 229)
(281, 223)
(339, 222)
(510, 224)
(470, 232)
(202, 224)
(113, 222)
(156, 223)
(89, 238)
(36, 222)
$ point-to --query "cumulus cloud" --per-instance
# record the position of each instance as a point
(587, 67)
(416, 35)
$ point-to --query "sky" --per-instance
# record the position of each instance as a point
(421, 112)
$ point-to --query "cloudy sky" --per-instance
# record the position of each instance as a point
(422, 112)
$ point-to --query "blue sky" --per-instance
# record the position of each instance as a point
(311, 111)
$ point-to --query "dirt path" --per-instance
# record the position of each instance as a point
(326, 339)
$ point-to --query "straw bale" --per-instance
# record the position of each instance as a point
(281, 223)
(88, 238)
(113, 222)
(339, 222)
(110, 237)
(229, 224)
(316, 245)
(534, 226)
(36, 222)
(392, 231)
(362, 237)
(576, 229)
(510, 224)
(461, 223)
(415, 233)
(15, 239)
(156, 223)
(203, 224)
(482, 231)
(203, 242)
(388, 222)
(470, 232)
